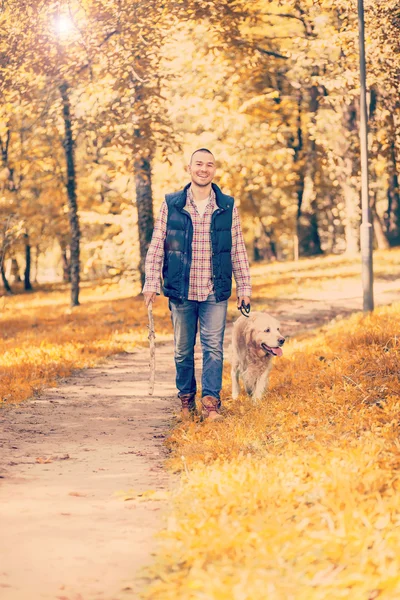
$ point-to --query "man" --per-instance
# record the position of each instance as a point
(198, 243)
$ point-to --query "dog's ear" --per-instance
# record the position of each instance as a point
(249, 333)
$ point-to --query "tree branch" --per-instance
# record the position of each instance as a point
(108, 36)
(282, 15)
(261, 50)
(300, 17)
(270, 53)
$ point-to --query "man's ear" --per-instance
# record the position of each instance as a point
(187, 169)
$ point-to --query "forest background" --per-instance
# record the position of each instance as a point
(102, 102)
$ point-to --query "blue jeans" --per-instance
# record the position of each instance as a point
(211, 316)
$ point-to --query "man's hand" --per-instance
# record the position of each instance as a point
(244, 299)
(149, 297)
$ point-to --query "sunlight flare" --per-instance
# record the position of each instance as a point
(63, 25)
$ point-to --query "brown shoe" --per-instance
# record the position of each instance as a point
(188, 406)
(210, 408)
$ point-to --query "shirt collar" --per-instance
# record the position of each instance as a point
(190, 197)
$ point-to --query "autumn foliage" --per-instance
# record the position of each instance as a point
(102, 102)
(295, 497)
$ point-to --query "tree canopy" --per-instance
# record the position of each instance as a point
(102, 102)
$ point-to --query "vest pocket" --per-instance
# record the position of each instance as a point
(173, 270)
(175, 240)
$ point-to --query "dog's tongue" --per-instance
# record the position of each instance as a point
(277, 351)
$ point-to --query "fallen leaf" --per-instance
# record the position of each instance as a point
(382, 522)
(61, 457)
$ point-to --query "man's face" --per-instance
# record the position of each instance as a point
(202, 168)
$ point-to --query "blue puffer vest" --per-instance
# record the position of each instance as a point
(178, 246)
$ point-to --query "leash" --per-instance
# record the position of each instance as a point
(244, 309)
(152, 348)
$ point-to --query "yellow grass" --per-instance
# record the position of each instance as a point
(319, 278)
(296, 498)
(42, 339)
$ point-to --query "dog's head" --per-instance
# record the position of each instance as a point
(263, 333)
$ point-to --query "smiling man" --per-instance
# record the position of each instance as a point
(197, 244)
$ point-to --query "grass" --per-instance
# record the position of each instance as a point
(296, 498)
(42, 339)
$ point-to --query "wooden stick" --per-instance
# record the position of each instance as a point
(152, 348)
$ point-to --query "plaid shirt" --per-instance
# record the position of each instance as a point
(200, 279)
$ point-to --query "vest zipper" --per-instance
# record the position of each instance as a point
(214, 215)
(187, 266)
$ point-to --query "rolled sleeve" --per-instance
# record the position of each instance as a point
(155, 253)
(240, 261)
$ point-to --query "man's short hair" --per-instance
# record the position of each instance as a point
(201, 150)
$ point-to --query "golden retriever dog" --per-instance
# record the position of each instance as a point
(255, 341)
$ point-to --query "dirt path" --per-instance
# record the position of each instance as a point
(69, 460)
(74, 461)
(314, 308)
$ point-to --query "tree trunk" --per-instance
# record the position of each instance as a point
(346, 174)
(331, 229)
(299, 194)
(4, 278)
(27, 272)
(271, 245)
(268, 236)
(298, 160)
(315, 239)
(381, 239)
(307, 221)
(143, 151)
(351, 225)
(15, 271)
(257, 257)
(392, 216)
(37, 253)
(66, 267)
(65, 261)
(72, 199)
(144, 204)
